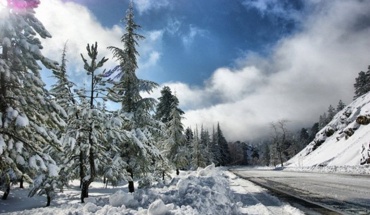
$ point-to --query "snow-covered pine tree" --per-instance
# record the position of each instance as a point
(71, 159)
(175, 140)
(205, 142)
(215, 149)
(139, 151)
(195, 153)
(166, 109)
(166, 103)
(114, 171)
(189, 137)
(362, 83)
(62, 89)
(198, 159)
(28, 114)
(93, 118)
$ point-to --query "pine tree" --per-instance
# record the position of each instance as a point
(93, 119)
(139, 151)
(215, 149)
(43, 184)
(266, 154)
(224, 158)
(62, 89)
(323, 121)
(28, 113)
(72, 159)
(205, 142)
(313, 131)
(197, 155)
(362, 83)
(189, 138)
(176, 139)
(340, 106)
(331, 113)
(166, 103)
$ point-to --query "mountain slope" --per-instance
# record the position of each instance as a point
(343, 142)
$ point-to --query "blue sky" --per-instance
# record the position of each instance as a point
(201, 36)
(243, 63)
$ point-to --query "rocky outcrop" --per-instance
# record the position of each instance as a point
(363, 120)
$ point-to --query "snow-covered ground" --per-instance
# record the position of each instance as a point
(345, 141)
(205, 191)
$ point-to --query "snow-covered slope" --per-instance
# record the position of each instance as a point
(343, 142)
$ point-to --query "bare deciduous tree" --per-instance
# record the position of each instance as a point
(279, 137)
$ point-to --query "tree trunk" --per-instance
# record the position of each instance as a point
(82, 172)
(48, 201)
(280, 156)
(131, 187)
(7, 191)
(177, 172)
(21, 182)
(85, 191)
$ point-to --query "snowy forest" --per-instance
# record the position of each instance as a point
(49, 137)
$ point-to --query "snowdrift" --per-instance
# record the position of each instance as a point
(343, 142)
(205, 191)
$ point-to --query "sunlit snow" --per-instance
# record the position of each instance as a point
(205, 191)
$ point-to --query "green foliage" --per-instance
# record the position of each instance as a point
(137, 151)
(167, 102)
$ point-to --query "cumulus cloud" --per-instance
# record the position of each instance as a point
(81, 28)
(77, 30)
(305, 73)
(149, 50)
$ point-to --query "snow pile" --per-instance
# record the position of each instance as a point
(120, 198)
(205, 191)
(343, 142)
(157, 208)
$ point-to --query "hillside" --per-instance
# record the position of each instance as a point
(343, 142)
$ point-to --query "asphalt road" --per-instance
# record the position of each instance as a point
(348, 194)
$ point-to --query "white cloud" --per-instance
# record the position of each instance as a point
(75, 24)
(279, 8)
(146, 5)
(173, 26)
(150, 50)
(305, 73)
(188, 38)
(152, 60)
(244, 81)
